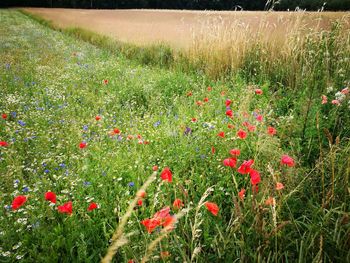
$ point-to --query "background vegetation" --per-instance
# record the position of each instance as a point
(187, 4)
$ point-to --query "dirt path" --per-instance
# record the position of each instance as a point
(178, 28)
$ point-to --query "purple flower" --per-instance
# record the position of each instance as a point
(188, 131)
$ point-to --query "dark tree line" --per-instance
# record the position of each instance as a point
(187, 4)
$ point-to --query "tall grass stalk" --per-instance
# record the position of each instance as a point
(118, 238)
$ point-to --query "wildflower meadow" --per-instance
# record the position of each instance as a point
(106, 159)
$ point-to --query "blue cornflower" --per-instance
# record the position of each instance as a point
(156, 124)
(131, 184)
(22, 123)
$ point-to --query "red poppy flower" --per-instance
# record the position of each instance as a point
(92, 206)
(271, 130)
(287, 160)
(168, 222)
(82, 145)
(228, 102)
(258, 91)
(251, 128)
(206, 99)
(229, 113)
(3, 144)
(66, 208)
(336, 102)
(231, 162)
(98, 118)
(131, 261)
(245, 167)
(105, 81)
(259, 118)
(50, 196)
(166, 175)
(199, 103)
(139, 202)
(279, 186)
(189, 94)
(193, 120)
(221, 134)
(242, 134)
(212, 150)
(241, 194)
(230, 126)
(254, 177)
(209, 88)
(18, 201)
(345, 91)
(141, 194)
(162, 213)
(235, 152)
(178, 204)
(116, 131)
(270, 201)
(4, 116)
(150, 224)
(155, 168)
(212, 207)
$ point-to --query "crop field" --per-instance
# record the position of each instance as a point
(181, 29)
(108, 153)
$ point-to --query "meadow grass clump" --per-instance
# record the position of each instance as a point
(244, 168)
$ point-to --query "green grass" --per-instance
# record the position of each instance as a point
(51, 85)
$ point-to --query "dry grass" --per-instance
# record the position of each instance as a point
(181, 28)
(224, 45)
